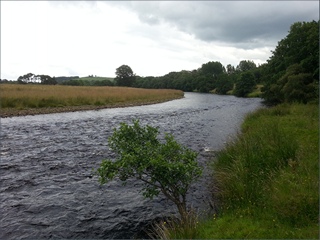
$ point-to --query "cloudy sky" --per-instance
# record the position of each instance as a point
(61, 38)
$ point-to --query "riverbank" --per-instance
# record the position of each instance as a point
(11, 112)
(267, 179)
(22, 100)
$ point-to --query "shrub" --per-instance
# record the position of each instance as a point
(166, 167)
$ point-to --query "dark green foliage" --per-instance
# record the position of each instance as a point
(63, 78)
(223, 84)
(165, 167)
(86, 81)
(30, 78)
(25, 78)
(245, 84)
(245, 65)
(125, 76)
(230, 69)
(299, 50)
(212, 69)
(294, 86)
(200, 80)
(47, 80)
(298, 88)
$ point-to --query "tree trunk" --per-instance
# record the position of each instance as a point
(182, 208)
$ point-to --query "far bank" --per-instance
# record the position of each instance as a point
(21, 100)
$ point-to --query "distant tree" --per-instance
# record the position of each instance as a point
(260, 73)
(212, 69)
(223, 84)
(25, 78)
(125, 76)
(163, 166)
(230, 69)
(245, 84)
(4, 81)
(47, 80)
(245, 65)
(203, 84)
(105, 82)
(63, 78)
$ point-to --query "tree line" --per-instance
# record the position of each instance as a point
(291, 74)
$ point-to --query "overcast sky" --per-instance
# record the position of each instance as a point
(61, 38)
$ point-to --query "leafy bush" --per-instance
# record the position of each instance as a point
(166, 167)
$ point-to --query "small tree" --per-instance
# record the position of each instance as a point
(164, 167)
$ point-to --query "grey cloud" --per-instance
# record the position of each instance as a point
(247, 24)
(149, 18)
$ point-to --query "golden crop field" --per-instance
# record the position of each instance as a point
(17, 97)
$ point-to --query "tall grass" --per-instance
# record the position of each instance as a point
(174, 228)
(247, 164)
(40, 96)
(267, 179)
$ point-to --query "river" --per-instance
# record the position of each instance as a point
(47, 185)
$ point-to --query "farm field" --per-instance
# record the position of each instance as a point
(17, 100)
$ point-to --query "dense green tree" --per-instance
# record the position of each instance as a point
(260, 73)
(32, 78)
(295, 86)
(207, 74)
(73, 82)
(299, 88)
(223, 84)
(300, 46)
(230, 69)
(25, 78)
(212, 69)
(163, 166)
(245, 84)
(124, 76)
(245, 65)
(64, 78)
(47, 80)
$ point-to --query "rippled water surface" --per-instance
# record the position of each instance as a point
(47, 189)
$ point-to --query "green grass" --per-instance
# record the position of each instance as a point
(267, 179)
(256, 92)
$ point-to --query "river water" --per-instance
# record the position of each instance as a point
(47, 185)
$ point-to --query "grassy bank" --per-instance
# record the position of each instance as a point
(267, 179)
(29, 98)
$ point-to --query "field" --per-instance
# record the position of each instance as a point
(36, 99)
